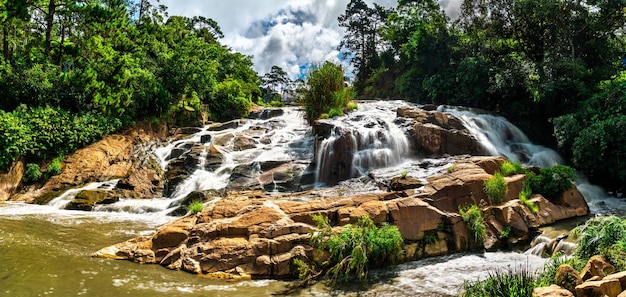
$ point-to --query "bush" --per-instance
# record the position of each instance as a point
(518, 282)
(496, 188)
(355, 247)
(195, 207)
(335, 112)
(229, 101)
(551, 182)
(598, 235)
(32, 173)
(508, 168)
(524, 197)
(547, 274)
(54, 168)
(473, 217)
(325, 91)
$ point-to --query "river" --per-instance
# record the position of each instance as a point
(45, 250)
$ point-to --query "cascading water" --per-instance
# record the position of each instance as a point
(365, 140)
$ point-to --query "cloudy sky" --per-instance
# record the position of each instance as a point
(287, 33)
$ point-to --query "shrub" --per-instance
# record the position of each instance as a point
(496, 188)
(518, 282)
(32, 173)
(54, 168)
(547, 274)
(335, 112)
(473, 216)
(325, 91)
(524, 197)
(598, 235)
(508, 168)
(352, 106)
(356, 246)
(195, 207)
(551, 182)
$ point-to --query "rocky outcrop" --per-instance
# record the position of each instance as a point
(10, 181)
(598, 278)
(436, 133)
(252, 234)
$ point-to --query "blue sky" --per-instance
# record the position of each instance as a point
(286, 33)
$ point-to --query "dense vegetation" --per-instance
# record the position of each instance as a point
(326, 94)
(73, 71)
(531, 60)
(604, 236)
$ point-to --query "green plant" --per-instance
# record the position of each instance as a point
(325, 91)
(195, 207)
(430, 237)
(508, 168)
(505, 233)
(335, 112)
(524, 197)
(54, 168)
(473, 216)
(352, 105)
(547, 274)
(356, 246)
(496, 188)
(451, 168)
(598, 235)
(518, 282)
(32, 173)
(551, 182)
(404, 174)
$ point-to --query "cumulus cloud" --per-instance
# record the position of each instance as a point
(291, 34)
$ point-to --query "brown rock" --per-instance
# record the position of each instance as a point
(552, 291)
(350, 215)
(10, 181)
(610, 288)
(567, 277)
(596, 266)
(404, 183)
(377, 210)
(622, 294)
(414, 216)
(574, 199)
(86, 200)
(621, 276)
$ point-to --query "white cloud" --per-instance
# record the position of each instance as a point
(289, 33)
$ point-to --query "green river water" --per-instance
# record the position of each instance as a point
(46, 252)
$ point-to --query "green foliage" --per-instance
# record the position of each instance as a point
(32, 173)
(598, 235)
(508, 168)
(551, 182)
(356, 246)
(229, 101)
(518, 282)
(473, 216)
(326, 91)
(547, 274)
(335, 112)
(195, 207)
(496, 188)
(505, 233)
(352, 106)
(54, 168)
(524, 196)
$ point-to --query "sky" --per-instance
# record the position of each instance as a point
(291, 34)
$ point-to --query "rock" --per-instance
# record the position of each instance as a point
(574, 199)
(178, 170)
(610, 288)
(143, 183)
(596, 266)
(266, 113)
(280, 176)
(622, 294)
(224, 126)
(568, 278)
(243, 142)
(86, 200)
(10, 181)
(195, 196)
(414, 217)
(552, 291)
(621, 276)
(205, 138)
(404, 183)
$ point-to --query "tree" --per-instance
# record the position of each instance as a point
(276, 82)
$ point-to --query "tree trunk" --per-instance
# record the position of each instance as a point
(49, 24)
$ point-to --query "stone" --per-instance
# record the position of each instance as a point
(596, 266)
(621, 276)
(10, 181)
(567, 277)
(86, 200)
(413, 217)
(404, 183)
(610, 288)
(552, 291)
(266, 113)
(574, 199)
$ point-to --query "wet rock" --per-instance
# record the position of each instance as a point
(404, 183)
(86, 200)
(205, 138)
(243, 142)
(195, 196)
(266, 113)
(10, 181)
(224, 126)
(178, 170)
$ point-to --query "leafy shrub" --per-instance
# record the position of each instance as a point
(524, 197)
(598, 235)
(352, 106)
(229, 101)
(54, 168)
(508, 168)
(355, 247)
(473, 216)
(496, 188)
(195, 207)
(325, 91)
(276, 104)
(551, 182)
(335, 112)
(518, 282)
(32, 173)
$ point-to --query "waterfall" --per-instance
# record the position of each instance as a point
(362, 141)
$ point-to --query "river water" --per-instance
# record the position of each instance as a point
(45, 250)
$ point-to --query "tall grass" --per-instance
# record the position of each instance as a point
(599, 234)
(509, 168)
(517, 282)
(473, 216)
(496, 188)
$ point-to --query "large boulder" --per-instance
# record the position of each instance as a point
(567, 277)
(86, 200)
(552, 291)
(10, 181)
(609, 288)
